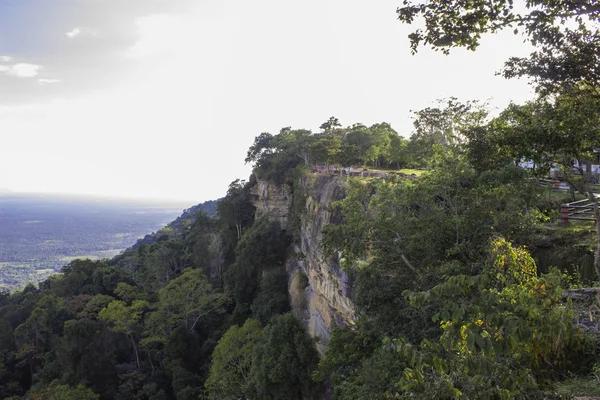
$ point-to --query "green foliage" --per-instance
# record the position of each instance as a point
(274, 363)
(184, 301)
(64, 392)
(446, 125)
(508, 265)
(564, 33)
(578, 386)
(93, 307)
(236, 214)
(551, 131)
(284, 361)
(262, 247)
(447, 214)
(123, 318)
(272, 298)
(232, 361)
(503, 342)
(345, 355)
(276, 158)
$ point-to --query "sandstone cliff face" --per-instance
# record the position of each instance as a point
(319, 290)
(272, 200)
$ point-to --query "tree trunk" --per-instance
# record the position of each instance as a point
(137, 356)
(151, 363)
(30, 359)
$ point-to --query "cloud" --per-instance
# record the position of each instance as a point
(4, 68)
(74, 32)
(81, 31)
(24, 70)
(57, 35)
(48, 81)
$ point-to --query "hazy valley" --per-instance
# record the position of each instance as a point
(40, 234)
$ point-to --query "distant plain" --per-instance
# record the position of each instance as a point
(41, 233)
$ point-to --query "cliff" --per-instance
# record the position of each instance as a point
(320, 291)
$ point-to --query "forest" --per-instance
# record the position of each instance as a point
(465, 283)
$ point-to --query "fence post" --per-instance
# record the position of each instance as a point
(564, 214)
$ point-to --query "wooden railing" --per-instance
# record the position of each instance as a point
(556, 186)
(582, 210)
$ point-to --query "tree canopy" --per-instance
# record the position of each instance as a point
(565, 34)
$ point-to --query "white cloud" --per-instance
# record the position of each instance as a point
(47, 81)
(5, 58)
(4, 68)
(79, 31)
(24, 70)
(74, 32)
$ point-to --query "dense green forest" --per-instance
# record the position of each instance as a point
(461, 278)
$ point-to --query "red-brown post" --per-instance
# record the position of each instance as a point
(564, 214)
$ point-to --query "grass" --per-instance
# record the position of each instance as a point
(407, 171)
(578, 387)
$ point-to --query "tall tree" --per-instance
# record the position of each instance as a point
(284, 361)
(126, 319)
(557, 132)
(444, 125)
(185, 300)
(232, 362)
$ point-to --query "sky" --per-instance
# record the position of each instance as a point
(160, 99)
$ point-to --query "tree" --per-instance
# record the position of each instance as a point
(444, 125)
(382, 134)
(87, 353)
(275, 157)
(197, 239)
(235, 209)
(330, 126)
(283, 363)
(272, 298)
(565, 33)
(232, 361)
(125, 319)
(261, 248)
(505, 332)
(296, 142)
(64, 392)
(556, 132)
(398, 153)
(185, 300)
(263, 146)
(356, 144)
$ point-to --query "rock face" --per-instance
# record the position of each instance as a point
(272, 200)
(320, 292)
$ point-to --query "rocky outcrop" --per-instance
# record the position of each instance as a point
(320, 291)
(272, 200)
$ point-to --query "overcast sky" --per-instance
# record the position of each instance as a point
(162, 98)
